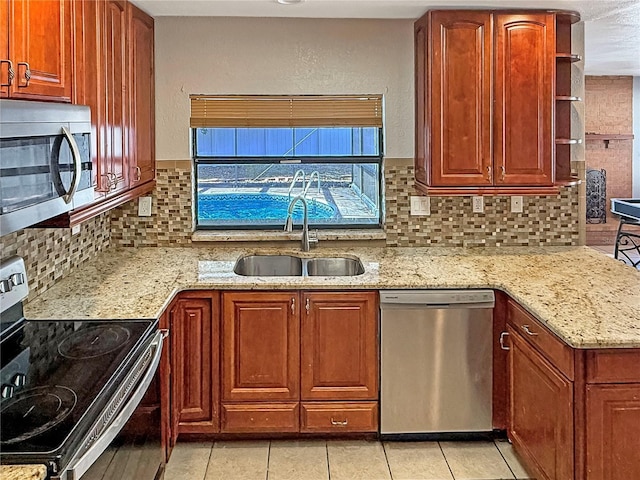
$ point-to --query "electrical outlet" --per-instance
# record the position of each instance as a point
(420, 205)
(144, 207)
(478, 204)
(75, 230)
(516, 204)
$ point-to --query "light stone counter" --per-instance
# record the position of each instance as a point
(23, 472)
(588, 299)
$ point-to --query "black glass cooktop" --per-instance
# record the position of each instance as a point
(57, 377)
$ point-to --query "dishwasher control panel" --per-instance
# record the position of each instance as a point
(438, 297)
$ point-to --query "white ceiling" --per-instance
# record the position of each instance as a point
(612, 27)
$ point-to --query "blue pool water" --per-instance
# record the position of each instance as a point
(259, 207)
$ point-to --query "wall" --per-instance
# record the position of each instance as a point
(636, 137)
(275, 56)
(608, 103)
(51, 253)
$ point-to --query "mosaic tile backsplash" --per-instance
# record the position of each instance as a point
(51, 253)
(544, 221)
(550, 220)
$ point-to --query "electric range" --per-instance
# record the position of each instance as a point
(64, 383)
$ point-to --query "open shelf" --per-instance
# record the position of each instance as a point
(606, 137)
(568, 141)
(568, 98)
(568, 57)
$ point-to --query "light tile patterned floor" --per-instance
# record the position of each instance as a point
(343, 460)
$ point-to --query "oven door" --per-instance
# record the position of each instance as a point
(110, 452)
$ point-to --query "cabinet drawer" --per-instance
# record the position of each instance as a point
(558, 352)
(339, 417)
(613, 366)
(256, 417)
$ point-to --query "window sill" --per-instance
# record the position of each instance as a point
(281, 236)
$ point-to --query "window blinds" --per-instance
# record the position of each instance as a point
(286, 111)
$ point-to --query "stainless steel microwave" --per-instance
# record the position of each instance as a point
(45, 161)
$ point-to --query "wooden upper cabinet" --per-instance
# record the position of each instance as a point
(524, 98)
(141, 97)
(113, 144)
(339, 355)
(6, 65)
(260, 346)
(194, 359)
(541, 406)
(485, 103)
(460, 60)
(40, 48)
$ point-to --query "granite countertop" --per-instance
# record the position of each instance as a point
(23, 472)
(585, 297)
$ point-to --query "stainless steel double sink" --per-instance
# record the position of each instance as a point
(291, 266)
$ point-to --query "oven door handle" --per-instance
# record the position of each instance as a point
(77, 165)
(78, 467)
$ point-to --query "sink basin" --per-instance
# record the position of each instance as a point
(268, 266)
(338, 266)
(290, 266)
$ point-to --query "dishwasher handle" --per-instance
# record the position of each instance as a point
(440, 298)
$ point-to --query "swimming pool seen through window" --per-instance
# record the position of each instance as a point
(246, 177)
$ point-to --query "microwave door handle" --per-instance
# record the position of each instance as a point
(77, 165)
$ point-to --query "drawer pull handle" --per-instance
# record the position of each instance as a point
(338, 422)
(293, 305)
(529, 332)
(307, 306)
(503, 335)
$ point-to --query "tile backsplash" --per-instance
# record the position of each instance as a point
(51, 253)
(549, 220)
(544, 221)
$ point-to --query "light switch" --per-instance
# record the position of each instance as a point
(420, 205)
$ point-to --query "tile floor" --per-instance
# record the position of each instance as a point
(343, 460)
(608, 250)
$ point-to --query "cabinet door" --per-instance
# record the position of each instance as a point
(113, 146)
(460, 61)
(194, 361)
(422, 87)
(524, 72)
(612, 446)
(540, 412)
(40, 48)
(260, 346)
(141, 97)
(5, 65)
(339, 346)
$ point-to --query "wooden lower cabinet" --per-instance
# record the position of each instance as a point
(339, 417)
(260, 417)
(612, 433)
(279, 348)
(260, 346)
(339, 352)
(573, 414)
(194, 362)
(541, 412)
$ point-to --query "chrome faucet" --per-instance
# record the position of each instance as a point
(307, 239)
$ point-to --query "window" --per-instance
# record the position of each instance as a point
(255, 155)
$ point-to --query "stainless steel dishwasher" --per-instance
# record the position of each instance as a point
(436, 361)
